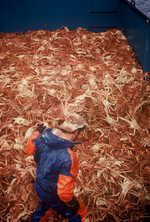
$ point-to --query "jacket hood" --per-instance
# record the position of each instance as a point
(53, 141)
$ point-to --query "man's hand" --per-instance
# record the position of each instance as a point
(74, 205)
(41, 128)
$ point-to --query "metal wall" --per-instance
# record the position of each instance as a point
(136, 26)
(24, 15)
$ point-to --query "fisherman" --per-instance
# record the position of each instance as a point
(56, 170)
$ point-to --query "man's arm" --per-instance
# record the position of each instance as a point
(65, 185)
(30, 147)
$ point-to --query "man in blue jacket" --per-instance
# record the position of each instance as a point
(57, 168)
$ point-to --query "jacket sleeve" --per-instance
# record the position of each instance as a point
(30, 147)
(65, 185)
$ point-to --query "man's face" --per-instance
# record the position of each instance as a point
(75, 135)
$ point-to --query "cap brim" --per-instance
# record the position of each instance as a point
(68, 127)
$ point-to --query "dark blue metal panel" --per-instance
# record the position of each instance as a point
(104, 15)
(146, 62)
(24, 15)
(136, 26)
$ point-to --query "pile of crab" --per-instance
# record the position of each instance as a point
(45, 75)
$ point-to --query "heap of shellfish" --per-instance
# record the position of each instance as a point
(46, 74)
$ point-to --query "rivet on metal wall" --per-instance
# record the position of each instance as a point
(133, 2)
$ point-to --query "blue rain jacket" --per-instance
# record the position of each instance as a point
(57, 164)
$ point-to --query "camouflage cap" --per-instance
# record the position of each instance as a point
(72, 123)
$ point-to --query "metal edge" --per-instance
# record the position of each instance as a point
(138, 11)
